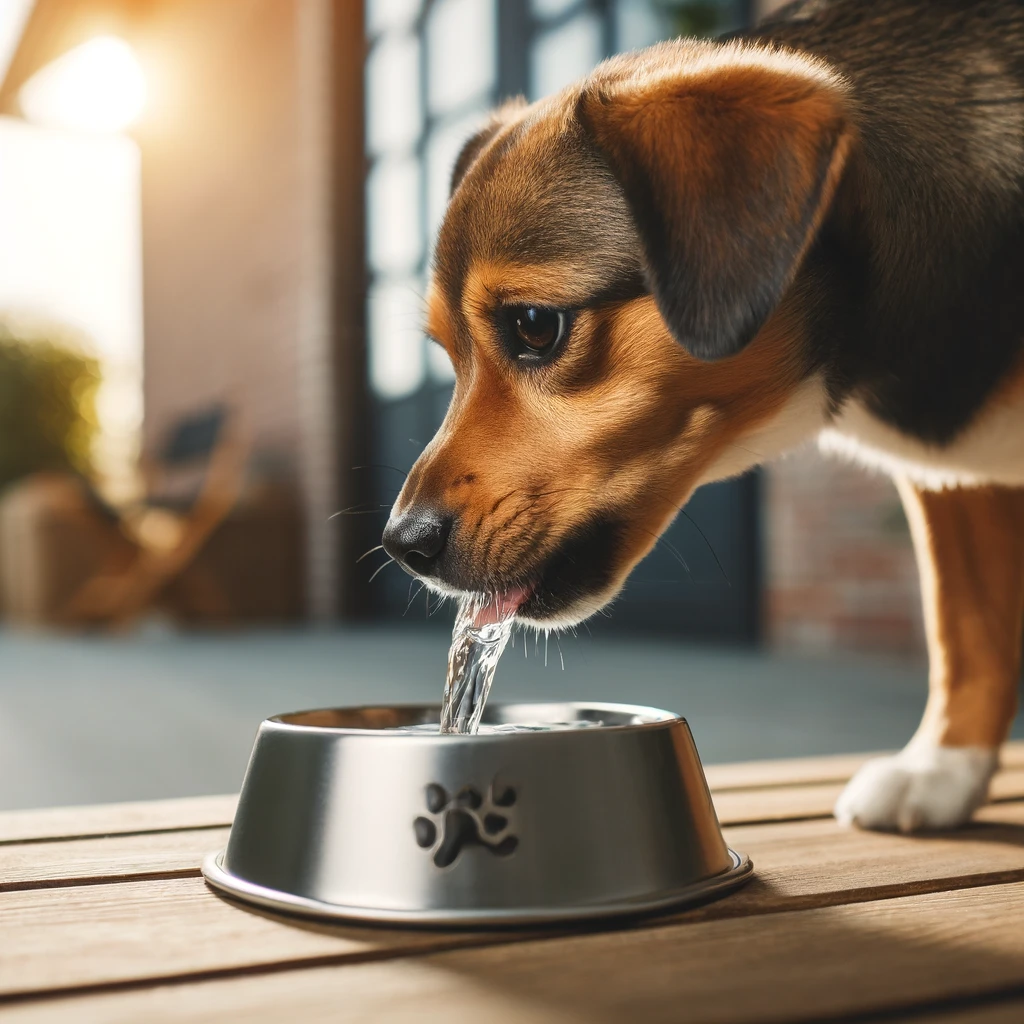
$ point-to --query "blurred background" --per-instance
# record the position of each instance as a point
(215, 225)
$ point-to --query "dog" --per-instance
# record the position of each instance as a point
(707, 253)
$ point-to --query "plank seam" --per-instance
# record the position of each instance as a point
(723, 911)
(824, 780)
(249, 970)
(142, 876)
(743, 822)
(37, 840)
(33, 840)
(84, 880)
(760, 787)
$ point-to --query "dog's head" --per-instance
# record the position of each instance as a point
(617, 283)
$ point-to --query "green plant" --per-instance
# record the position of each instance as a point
(47, 404)
(699, 17)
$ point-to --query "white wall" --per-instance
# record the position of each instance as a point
(70, 252)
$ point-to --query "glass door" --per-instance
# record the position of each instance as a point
(434, 69)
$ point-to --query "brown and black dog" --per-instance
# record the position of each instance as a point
(706, 253)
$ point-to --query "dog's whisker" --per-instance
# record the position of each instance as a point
(714, 554)
(381, 568)
(749, 451)
(693, 522)
(356, 510)
(365, 554)
(413, 596)
(382, 465)
(662, 539)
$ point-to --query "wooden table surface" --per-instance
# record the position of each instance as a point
(105, 917)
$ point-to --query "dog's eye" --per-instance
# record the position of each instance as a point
(536, 331)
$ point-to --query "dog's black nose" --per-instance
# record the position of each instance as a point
(416, 538)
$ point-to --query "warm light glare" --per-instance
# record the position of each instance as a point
(96, 87)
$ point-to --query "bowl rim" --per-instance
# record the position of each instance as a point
(657, 719)
(699, 891)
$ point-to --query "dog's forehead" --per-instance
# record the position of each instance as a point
(539, 194)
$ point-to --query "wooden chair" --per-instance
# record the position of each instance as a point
(192, 485)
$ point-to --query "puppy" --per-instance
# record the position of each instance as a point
(708, 252)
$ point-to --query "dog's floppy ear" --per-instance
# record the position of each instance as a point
(479, 141)
(727, 168)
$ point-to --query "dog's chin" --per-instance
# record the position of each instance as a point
(577, 579)
(574, 582)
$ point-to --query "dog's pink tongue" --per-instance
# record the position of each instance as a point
(501, 606)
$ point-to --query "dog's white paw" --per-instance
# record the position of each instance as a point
(922, 787)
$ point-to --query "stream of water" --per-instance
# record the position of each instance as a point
(472, 659)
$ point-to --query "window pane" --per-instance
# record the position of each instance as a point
(565, 54)
(461, 46)
(551, 8)
(390, 14)
(393, 120)
(396, 340)
(441, 368)
(393, 216)
(443, 150)
(638, 24)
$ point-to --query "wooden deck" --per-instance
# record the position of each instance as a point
(104, 917)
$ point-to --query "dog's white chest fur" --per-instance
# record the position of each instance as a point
(989, 451)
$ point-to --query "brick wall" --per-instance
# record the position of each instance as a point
(840, 570)
(236, 235)
(220, 216)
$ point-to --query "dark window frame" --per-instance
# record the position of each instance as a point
(727, 609)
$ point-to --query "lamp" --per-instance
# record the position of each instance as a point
(97, 87)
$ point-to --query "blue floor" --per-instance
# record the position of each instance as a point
(86, 720)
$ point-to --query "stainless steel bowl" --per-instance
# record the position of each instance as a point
(344, 815)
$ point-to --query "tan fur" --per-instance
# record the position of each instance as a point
(970, 551)
(626, 421)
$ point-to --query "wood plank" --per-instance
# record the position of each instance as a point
(805, 770)
(781, 803)
(161, 928)
(797, 771)
(792, 803)
(108, 819)
(816, 862)
(807, 965)
(117, 933)
(911, 955)
(118, 857)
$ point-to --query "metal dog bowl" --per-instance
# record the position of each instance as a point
(603, 812)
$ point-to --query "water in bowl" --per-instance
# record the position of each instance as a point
(502, 729)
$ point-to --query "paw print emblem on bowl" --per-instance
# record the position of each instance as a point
(466, 818)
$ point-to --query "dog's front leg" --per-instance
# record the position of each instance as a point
(970, 553)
